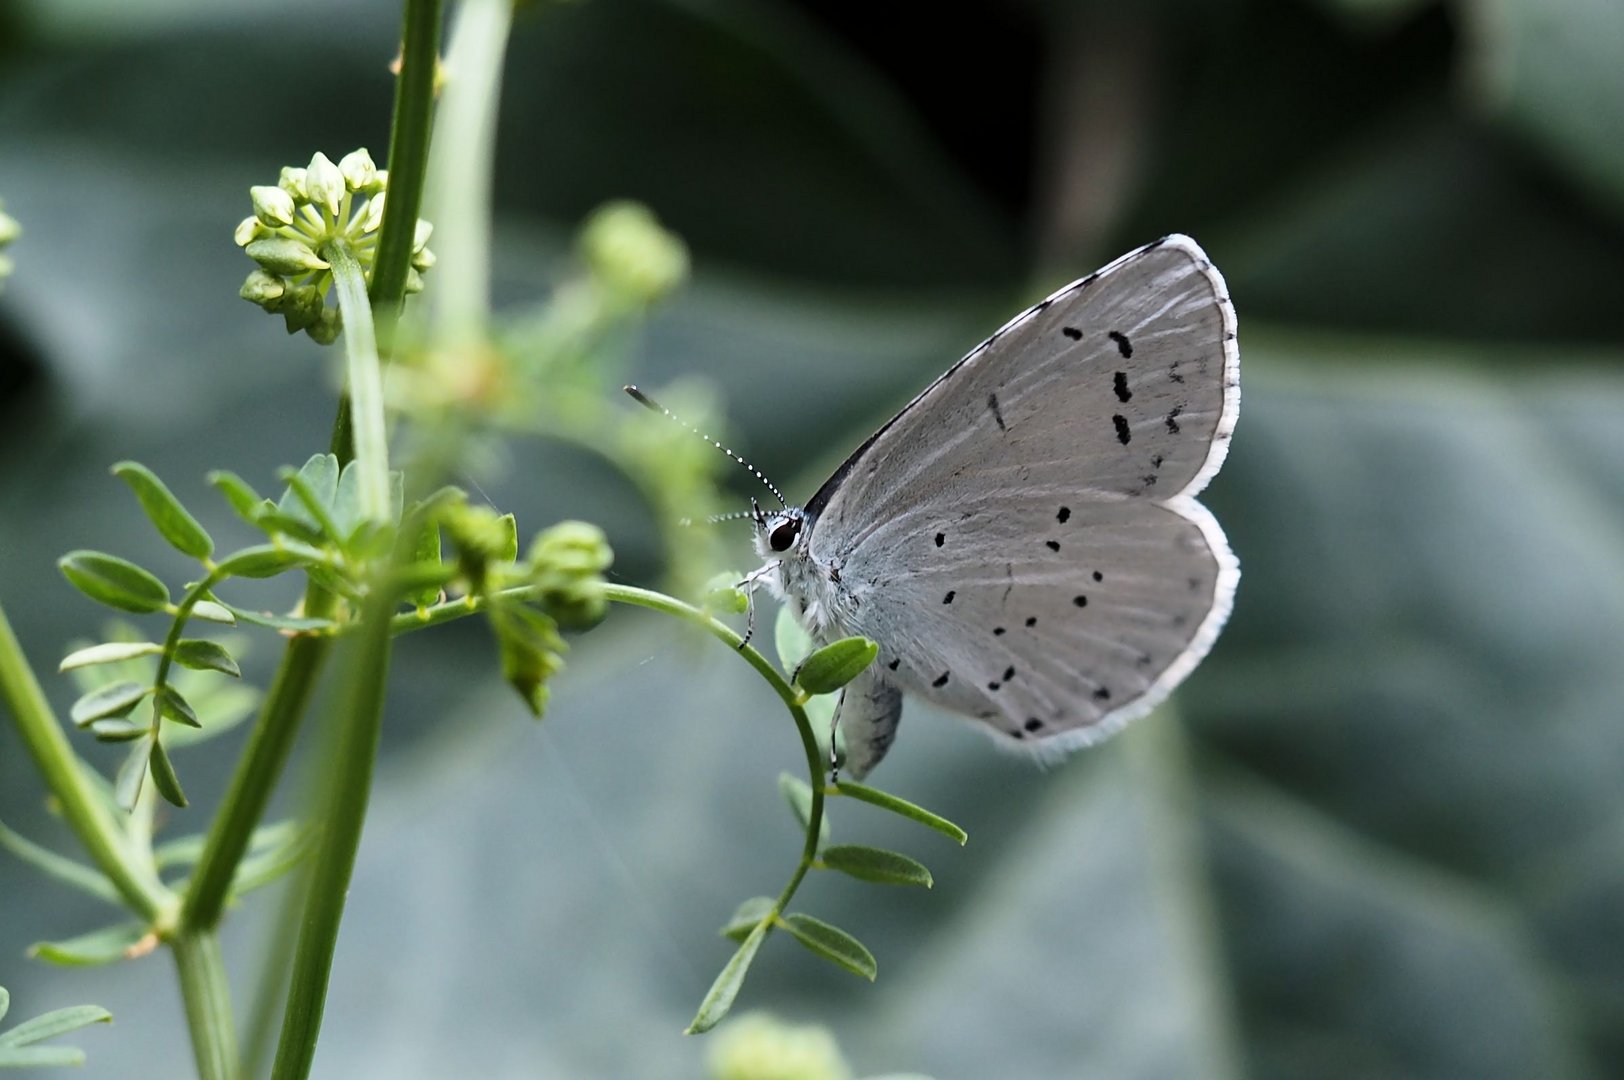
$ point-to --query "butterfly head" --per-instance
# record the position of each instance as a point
(779, 534)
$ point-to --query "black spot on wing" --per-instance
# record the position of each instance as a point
(1063, 515)
(1034, 724)
(941, 538)
(1080, 601)
(997, 414)
(1173, 419)
(893, 665)
(1124, 346)
(1098, 576)
(1072, 332)
(1102, 694)
(1031, 621)
(1052, 545)
(940, 680)
(998, 631)
(948, 599)
(1009, 673)
(1120, 422)
(1119, 383)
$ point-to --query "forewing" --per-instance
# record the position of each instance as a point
(1124, 383)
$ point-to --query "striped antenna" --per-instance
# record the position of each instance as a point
(648, 403)
(717, 519)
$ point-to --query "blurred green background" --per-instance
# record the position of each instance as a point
(1381, 831)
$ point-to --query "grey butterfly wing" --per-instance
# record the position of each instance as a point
(1023, 539)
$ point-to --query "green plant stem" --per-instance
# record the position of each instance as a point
(208, 1003)
(408, 163)
(365, 381)
(254, 780)
(57, 763)
(358, 721)
(460, 165)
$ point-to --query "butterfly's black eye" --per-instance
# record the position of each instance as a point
(783, 537)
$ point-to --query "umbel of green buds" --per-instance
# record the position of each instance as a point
(566, 564)
(298, 219)
(631, 255)
(9, 231)
(761, 1047)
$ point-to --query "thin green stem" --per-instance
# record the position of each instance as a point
(365, 381)
(204, 990)
(358, 721)
(252, 783)
(57, 763)
(460, 166)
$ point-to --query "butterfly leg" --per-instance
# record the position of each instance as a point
(748, 586)
(868, 714)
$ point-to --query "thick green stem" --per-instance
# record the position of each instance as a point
(408, 163)
(253, 782)
(208, 1004)
(64, 775)
(365, 382)
(358, 721)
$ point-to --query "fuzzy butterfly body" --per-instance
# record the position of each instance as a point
(1023, 539)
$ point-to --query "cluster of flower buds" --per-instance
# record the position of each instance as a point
(9, 231)
(567, 562)
(295, 221)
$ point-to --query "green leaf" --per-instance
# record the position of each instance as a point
(115, 582)
(832, 943)
(244, 500)
(275, 524)
(105, 946)
(117, 731)
(288, 624)
(509, 551)
(887, 801)
(319, 476)
(877, 865)
(260, 561)
(746, 917)
(33, 1057)
(210, 611)
(266, 866)
(317, 510)
(798, 794)
(163, 774)
(174, 706)
(63, 869)
(718, 1000)
(108, 652)
(165, 512)
(836, 664)
(790, 638)
(203, 655)
(114, 699)
(52, 1024)
(186, 850)
(132, 773)
(529, 645)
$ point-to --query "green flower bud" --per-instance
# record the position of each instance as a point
(249, 230)
(360, 174)
(293, 182)
(324, 331)
(759, 1047)
(272, 205)
(266, 290)
(423, 259)
(631, 255)
(414, 283)
(280, 255)
(420, 234)
(566, 566)
(301, 308)
(9, 229)
(324, 183)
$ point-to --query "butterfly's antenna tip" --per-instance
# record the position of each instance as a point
(654, 406)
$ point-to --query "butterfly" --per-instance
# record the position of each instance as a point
(1023, 539)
